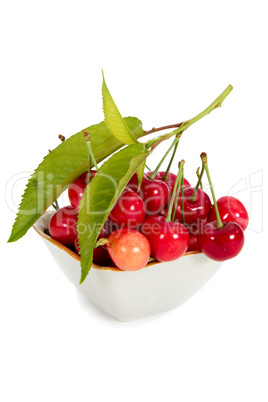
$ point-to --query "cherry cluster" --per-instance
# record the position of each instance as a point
(163, 218)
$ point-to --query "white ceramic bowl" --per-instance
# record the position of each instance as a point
(132, 295)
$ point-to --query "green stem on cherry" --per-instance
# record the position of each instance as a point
(184, 125)
(174, 143)
(205, 164)
(182, 199)
(91, 157)
(55, 205)
(178, 182)
(101, 242)
(181, 184)
(198, 175)
(147, 167)
(165, 177)
(193, 197)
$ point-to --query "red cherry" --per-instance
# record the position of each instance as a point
(129, 210)
(223, 243)
(231, 210)
(193, 243)
(100, 254)
(62, 225)
(171, 180)
(168, 240)
(155, 194)
(193, 231)
(133, 183)
(128, 249)
(164, 212)
(193, 210)
(77, 188)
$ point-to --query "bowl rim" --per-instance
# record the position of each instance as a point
(76, 257)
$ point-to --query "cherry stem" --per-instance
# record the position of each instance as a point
(184, 125)
(177, 196)
(147, 167)
(177, 184)
(91, 157)
(154, 130)
(193, 197)
(55, 205)
(174, 143)
(182, 199)
(198, 175)
(165, 177)
(101, 242)
(205, 164)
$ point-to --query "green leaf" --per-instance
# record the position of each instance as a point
(60, 167)
(113, 118)
(140, 172)
(101, 195)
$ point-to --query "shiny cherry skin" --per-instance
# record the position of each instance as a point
(129, 210)
(77, 188)
(168, 240)
(155, 194)
(62, 226)
(230, 210)
(193, 231)
(193, 210)
(129, 249)
(221, 244)
(100, 254)
(193, 243)
(133, 183)
(171, 180)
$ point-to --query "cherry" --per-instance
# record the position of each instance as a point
(129, 249)
(133, 183)
(193, 209)
(168, 240)
(193, 243)
(100, 254)
(129, 210)
(223, 243)
(164, 212)
(155, 194)
(62, 225)
(77, 188)
(171, 179)
(194, 229)
(219, 241)
(230, 210)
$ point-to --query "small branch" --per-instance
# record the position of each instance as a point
(90, 152)
(184, 125)
(154, 130)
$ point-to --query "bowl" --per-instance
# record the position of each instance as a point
(126, 295)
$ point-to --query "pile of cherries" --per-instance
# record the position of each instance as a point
(163, 219)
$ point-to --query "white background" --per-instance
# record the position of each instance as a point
(164, 62)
